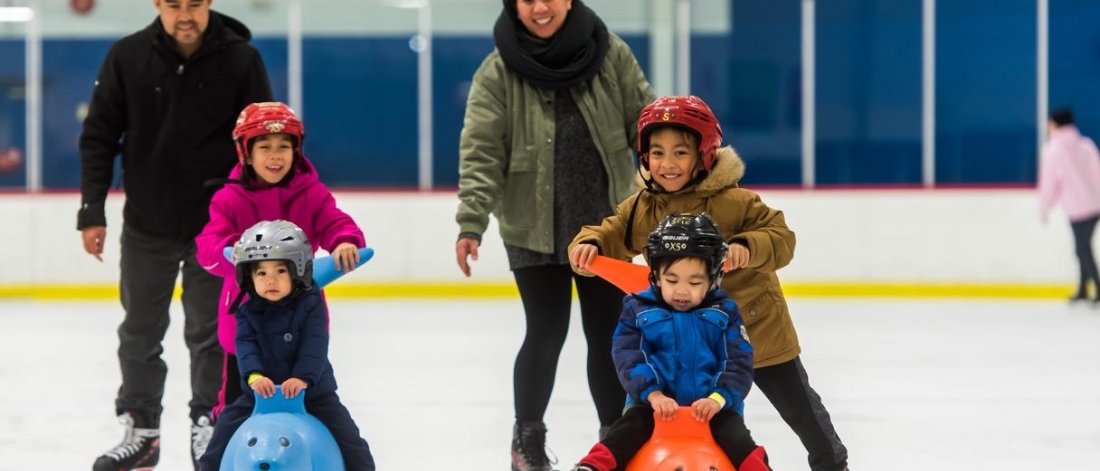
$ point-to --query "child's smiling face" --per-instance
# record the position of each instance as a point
(684, 283)
(272, 279)
(673, 158)
(272, 157)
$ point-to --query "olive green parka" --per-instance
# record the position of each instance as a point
(506, 149)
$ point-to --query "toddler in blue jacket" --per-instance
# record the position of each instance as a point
(681, 343)
(282, 338)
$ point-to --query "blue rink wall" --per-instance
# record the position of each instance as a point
(360, 92)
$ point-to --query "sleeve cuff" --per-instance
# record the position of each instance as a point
(470, 235)
(254, 376)
(90, 214)
(644, 396)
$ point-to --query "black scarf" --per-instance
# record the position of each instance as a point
(572, 56)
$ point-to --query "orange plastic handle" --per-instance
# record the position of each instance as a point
(629, 277)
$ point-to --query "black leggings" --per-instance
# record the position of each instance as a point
(787, 387)
(547, 294)
(1082, 240)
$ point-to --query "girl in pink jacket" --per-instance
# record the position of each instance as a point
(1069, 173)
(273, 181)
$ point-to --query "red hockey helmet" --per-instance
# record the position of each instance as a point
(687, 112)
(270, 117)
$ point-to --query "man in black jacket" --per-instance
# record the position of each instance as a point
(166, 99)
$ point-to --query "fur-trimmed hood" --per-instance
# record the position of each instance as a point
(727, 172)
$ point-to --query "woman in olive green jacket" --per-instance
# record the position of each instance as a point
(546, 148)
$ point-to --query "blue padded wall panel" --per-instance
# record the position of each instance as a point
(1075, 61)
(868, 65)
(751, 78)
(360, 110)
(13, 108)
(985, 91)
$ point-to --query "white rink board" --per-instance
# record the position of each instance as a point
(902, 236)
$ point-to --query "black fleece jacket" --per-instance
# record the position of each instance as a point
(171, 118)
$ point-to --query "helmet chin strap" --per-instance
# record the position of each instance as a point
(648, 181)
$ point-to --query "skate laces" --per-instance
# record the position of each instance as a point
(133, 441)
(201, 431)
(532, 446)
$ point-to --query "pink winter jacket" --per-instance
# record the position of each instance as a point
(304, 200)
(1070, 173)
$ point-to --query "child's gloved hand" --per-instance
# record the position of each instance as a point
(704, 409)
(581, 256)
(264, 386)
(292, 387)
(737, 257)
(345, 256)
(663, 405)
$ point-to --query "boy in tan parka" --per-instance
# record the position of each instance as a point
(684, 171)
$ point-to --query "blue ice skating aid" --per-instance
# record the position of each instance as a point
(324, 268)
(280, 435)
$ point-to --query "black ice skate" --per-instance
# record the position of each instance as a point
(139, 450)
(529, 447)
(202, 428)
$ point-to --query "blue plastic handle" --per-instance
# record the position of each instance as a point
(324, 268)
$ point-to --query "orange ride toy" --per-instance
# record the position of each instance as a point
(680, 444)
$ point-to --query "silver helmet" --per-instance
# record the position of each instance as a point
(274, 240)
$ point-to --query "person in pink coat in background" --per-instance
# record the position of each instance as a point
(273, 181)
(1069, 173)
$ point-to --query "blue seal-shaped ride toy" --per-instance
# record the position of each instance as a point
(279, 436)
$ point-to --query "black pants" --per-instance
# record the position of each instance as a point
(149, 267)
(634, 429)
(547, 294)
(788, 389)
(326, 408)
(1082, 241)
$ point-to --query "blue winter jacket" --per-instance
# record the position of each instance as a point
(286, 339)
(685, 355)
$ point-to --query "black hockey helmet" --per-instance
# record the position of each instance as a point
(687, 235)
